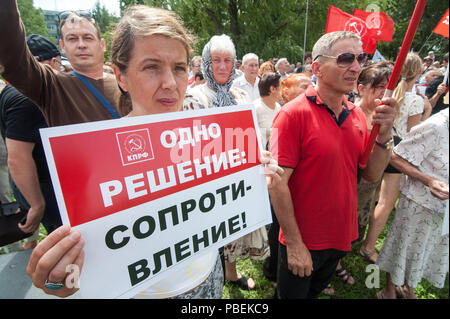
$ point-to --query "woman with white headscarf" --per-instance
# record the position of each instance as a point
(218, 60)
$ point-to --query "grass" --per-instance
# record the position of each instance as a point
(353, 263)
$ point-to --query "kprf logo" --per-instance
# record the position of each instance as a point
(135, 146)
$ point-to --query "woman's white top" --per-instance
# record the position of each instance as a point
(412, 104)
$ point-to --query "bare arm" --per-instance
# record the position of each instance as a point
(24, 173)
(437, 188)
(413, 121)
(299, 258)
(440, 90)
(379, 158)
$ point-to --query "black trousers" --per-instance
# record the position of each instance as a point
(290, 286)
(271, 262)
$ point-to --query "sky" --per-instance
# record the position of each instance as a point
(60, 5)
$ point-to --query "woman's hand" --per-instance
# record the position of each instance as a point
(51, 258)
(272, 170)
(438, 189)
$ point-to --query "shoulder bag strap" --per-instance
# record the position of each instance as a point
(111, 110)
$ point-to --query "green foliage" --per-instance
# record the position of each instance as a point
(107, 23)
(32, 18)
(353, 263)
(103, 17)
(401, 12)
(275, 28)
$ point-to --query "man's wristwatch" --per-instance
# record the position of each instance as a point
(389, 145)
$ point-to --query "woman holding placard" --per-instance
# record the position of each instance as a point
(150, 53)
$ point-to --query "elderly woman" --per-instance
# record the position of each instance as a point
(218, 68)
(150, 54)
(266, 67)
(294, 85)
(218, 60)
(415, 247)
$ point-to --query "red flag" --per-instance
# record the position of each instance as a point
(380, 22)
(339, 20)
(442, 27)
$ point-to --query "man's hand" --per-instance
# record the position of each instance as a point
(385, 114)
(299, 260)
(34, 218)
(271, 169)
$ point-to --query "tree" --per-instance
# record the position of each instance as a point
(276, 27)
(32, 18)
(401, 12)
(103, 17)
(106, 22)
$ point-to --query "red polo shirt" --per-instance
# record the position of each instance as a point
(324, 152)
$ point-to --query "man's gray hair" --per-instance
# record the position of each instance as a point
(279, 62)
(222, 43)
(326, 42)
(249, 56)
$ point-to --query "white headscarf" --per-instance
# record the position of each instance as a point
(223, 96)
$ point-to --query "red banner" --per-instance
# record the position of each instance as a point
(442, 27)
(339, 20)
(380, 22)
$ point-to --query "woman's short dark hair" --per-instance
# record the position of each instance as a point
(268, 80)
(375, 73)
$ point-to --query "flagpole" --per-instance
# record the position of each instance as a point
(446, 76)
(406, 45)
(306, 29)
(425, 43)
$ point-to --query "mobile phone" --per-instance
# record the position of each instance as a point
(23, 221)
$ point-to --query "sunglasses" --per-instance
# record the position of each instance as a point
(81, 13)
(344, 60)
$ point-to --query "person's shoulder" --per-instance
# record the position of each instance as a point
(241, 96)
(109, 77)
(299, 104)
(259, 105)
(240, 80)
(10, 96)
(192, 99)
(201, 91)
(440, 119)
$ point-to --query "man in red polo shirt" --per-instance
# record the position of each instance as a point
(319, 138)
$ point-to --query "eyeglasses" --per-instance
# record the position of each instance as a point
(344, 60)
(81, 13)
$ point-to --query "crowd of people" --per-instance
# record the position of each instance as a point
(315, 120)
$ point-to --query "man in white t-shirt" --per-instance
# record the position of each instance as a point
(249, 80)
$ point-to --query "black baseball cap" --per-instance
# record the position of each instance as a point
(41, 48)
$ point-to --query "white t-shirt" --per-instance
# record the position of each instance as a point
(265, 116)
(412, 104)
(179, 282)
